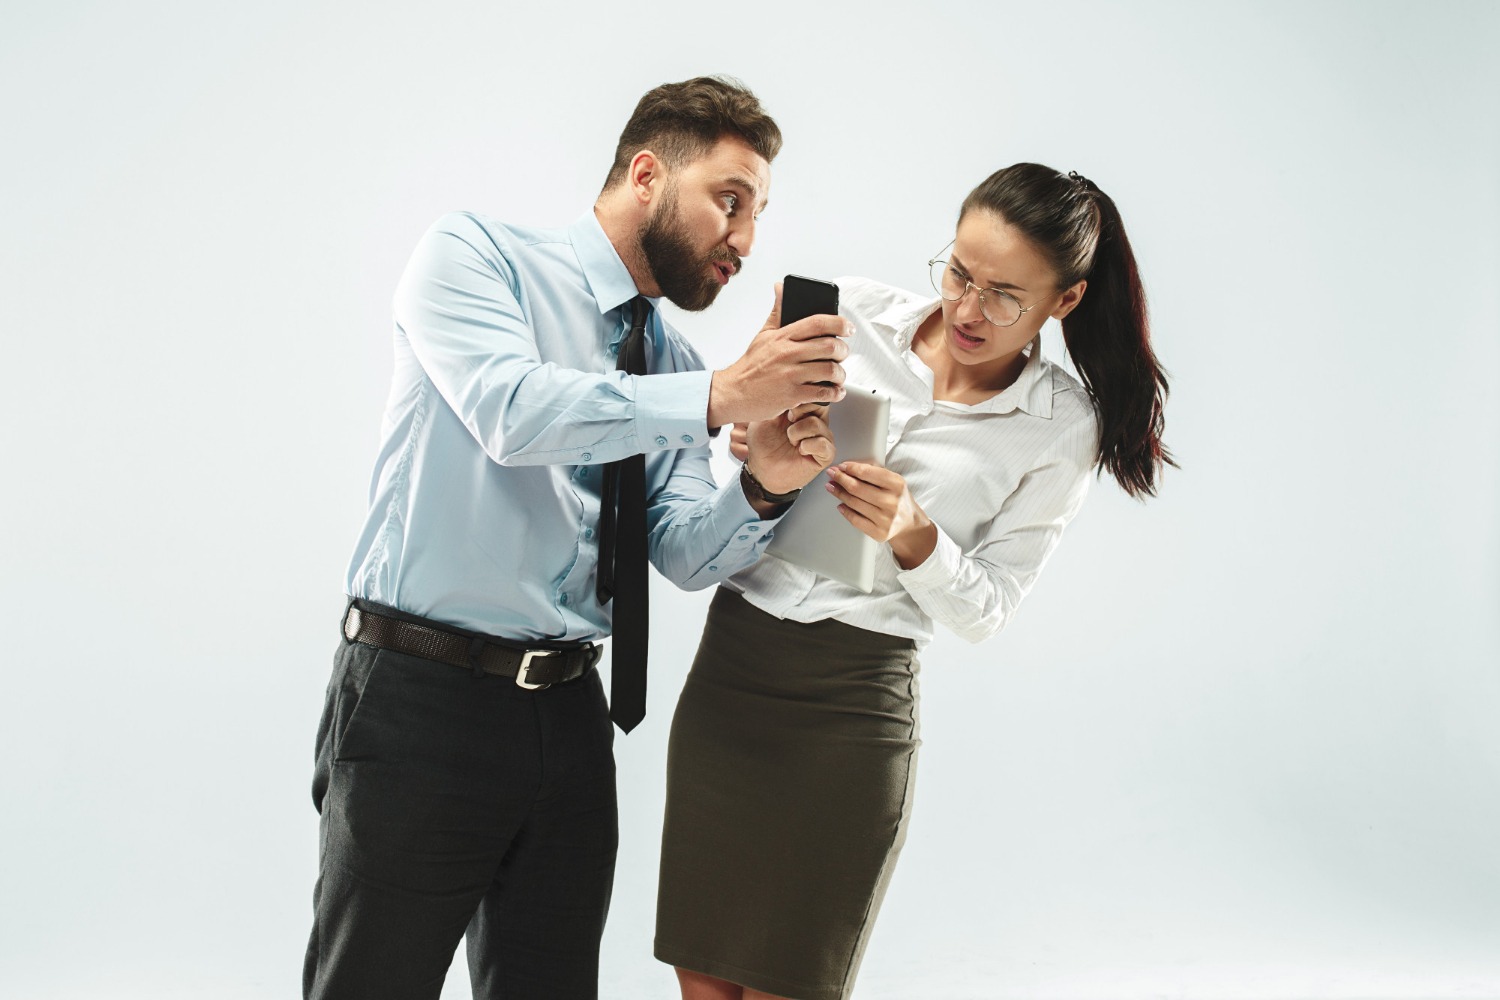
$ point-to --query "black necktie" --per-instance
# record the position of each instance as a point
(622, 553)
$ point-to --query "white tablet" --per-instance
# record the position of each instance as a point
(813, 534)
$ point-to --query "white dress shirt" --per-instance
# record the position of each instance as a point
(1000, 479)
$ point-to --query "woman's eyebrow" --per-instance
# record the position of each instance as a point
(1002, 285)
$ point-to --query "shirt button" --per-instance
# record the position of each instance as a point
(713, 569)
(687, 439)
(588, 532)
(753, 527)
(563, 599)
(588, 456)
(744, 537)
(661, 440)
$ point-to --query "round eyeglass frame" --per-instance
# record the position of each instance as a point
(937, 285)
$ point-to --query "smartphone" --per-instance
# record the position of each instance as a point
(803, 297)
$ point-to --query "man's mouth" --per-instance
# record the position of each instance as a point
(724, 270)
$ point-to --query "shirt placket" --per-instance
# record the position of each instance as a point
(586, 481)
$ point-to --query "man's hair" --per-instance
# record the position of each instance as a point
(680, 122)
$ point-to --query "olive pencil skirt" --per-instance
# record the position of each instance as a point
(789, 787)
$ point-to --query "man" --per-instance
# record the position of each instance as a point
(465, 771)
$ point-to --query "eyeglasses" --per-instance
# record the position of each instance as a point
(1000, 308)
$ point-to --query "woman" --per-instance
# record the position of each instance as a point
(793, 748)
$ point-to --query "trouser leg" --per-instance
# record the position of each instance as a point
(424, 775)
(536, 933)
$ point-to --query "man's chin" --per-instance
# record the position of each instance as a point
(697, 300)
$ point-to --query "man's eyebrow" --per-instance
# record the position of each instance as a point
(740, 180)
(1002, 285)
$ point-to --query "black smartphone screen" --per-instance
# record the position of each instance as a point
(803, 297)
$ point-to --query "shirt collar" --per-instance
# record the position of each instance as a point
(1032, 389)
(608, 278)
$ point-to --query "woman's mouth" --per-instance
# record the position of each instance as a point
(965, 341)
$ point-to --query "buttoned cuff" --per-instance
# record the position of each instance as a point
(938, 570)
(744, 532)
(671, 410)
(738, 522)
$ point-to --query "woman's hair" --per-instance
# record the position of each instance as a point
(1078, 230)
(682, 121)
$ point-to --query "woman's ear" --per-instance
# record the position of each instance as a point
(1070, 300)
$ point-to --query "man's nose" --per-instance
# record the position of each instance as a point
(742, 237)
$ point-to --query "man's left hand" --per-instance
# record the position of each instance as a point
(786, 452)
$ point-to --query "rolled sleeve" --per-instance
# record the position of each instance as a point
(975, 593)
(970, 597)
(938, 570)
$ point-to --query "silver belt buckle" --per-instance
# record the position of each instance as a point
(352, 622)
(526, 659)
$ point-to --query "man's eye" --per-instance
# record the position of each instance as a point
(730, 201)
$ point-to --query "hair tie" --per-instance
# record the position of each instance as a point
(1081, 181)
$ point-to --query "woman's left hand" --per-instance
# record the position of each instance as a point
(877, 502)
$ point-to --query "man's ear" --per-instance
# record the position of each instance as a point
(645, 177)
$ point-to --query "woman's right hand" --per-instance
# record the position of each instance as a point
(878, 502)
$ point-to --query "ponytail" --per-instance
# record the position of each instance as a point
(1109, 339)
(1108, 335)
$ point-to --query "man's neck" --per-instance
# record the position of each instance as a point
(621, 226)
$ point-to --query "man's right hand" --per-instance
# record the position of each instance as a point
(781, 369)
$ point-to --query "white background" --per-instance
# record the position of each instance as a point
(1242, 740)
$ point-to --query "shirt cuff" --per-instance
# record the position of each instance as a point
(671, 410)
(734, 517)
(744, 532)
(938, 570)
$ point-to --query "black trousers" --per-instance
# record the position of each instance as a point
(451, 802)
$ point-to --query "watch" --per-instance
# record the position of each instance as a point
(755, 491)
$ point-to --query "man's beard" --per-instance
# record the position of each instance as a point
(681, 271)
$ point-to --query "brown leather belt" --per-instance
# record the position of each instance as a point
(532, 667)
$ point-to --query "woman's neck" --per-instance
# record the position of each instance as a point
(960, 383)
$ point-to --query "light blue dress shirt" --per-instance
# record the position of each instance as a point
(505, 406)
